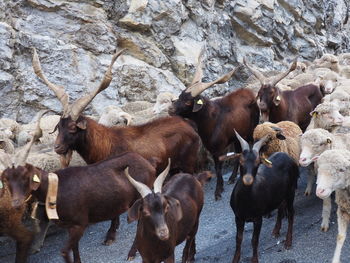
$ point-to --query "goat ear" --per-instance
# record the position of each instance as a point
(175, 207)
(135, 211)
(198, 104)
(82, 124)
(277, 97)
(35, 182)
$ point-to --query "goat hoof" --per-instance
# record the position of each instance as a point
(287, 246)
(231, 181)
(324, 228)
(131, 258)
(217, 197)
(275, 234)
(108, 242)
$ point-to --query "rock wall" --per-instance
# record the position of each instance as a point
(75, 40)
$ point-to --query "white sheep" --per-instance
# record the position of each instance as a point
(340, 98)
(9, 127)
(334, 175)
(114, 115)
(313, 143)
(47, 124)
(326, 116)
(328, 81)
(163, 102)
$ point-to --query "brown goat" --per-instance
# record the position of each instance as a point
(11, 224)
(166, 217)
(289, 105)
(86, 195)
(215, 119)
(10, 217)
(168, 137)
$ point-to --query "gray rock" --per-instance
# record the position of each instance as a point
(75, 41)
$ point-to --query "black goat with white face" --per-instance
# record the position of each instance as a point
(264, 185)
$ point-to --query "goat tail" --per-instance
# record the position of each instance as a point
(203, 177)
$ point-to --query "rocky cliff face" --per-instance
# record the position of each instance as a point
(75, 40)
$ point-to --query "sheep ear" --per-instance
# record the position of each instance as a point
(82, 124)
(175, 206)
(267, 162)
(134, 211)
(314, 114)
(315, 158)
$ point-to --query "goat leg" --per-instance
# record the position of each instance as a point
(233, 176)
(170, 259)
(290, 207)
(23, 239)
(219, 180)
(239, 238)
(110, 237)
(75, 233)
(190, 247)
(255, 239)
(132, 251)
(277, 228)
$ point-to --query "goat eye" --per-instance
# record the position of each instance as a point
(188, 103)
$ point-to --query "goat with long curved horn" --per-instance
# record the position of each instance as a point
(257, 146)
(244, 144)
(158, 183)
(143, 189)
(282, 75)
(197, 86)
(58, 90)
(79, 105)
(73, 110)
(255, 72)
(21, 157)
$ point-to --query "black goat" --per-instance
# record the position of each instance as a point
(263, 186)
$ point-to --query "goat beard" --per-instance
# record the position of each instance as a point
(264, 116)
(66, 158)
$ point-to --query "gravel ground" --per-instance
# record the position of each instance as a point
(215, 237)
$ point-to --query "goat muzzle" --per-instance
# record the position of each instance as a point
(163, 233)
(248, 179)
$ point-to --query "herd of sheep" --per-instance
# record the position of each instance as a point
(323, 147)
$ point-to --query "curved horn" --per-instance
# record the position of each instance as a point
(199, 87)
(21, 157)
(244, 144)
(255, 72)
(259, 144)
(281, 76)
(58, 90)
(5, 159)
(199, 69)
(158, 183)
(79, 105)
(140, 187)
